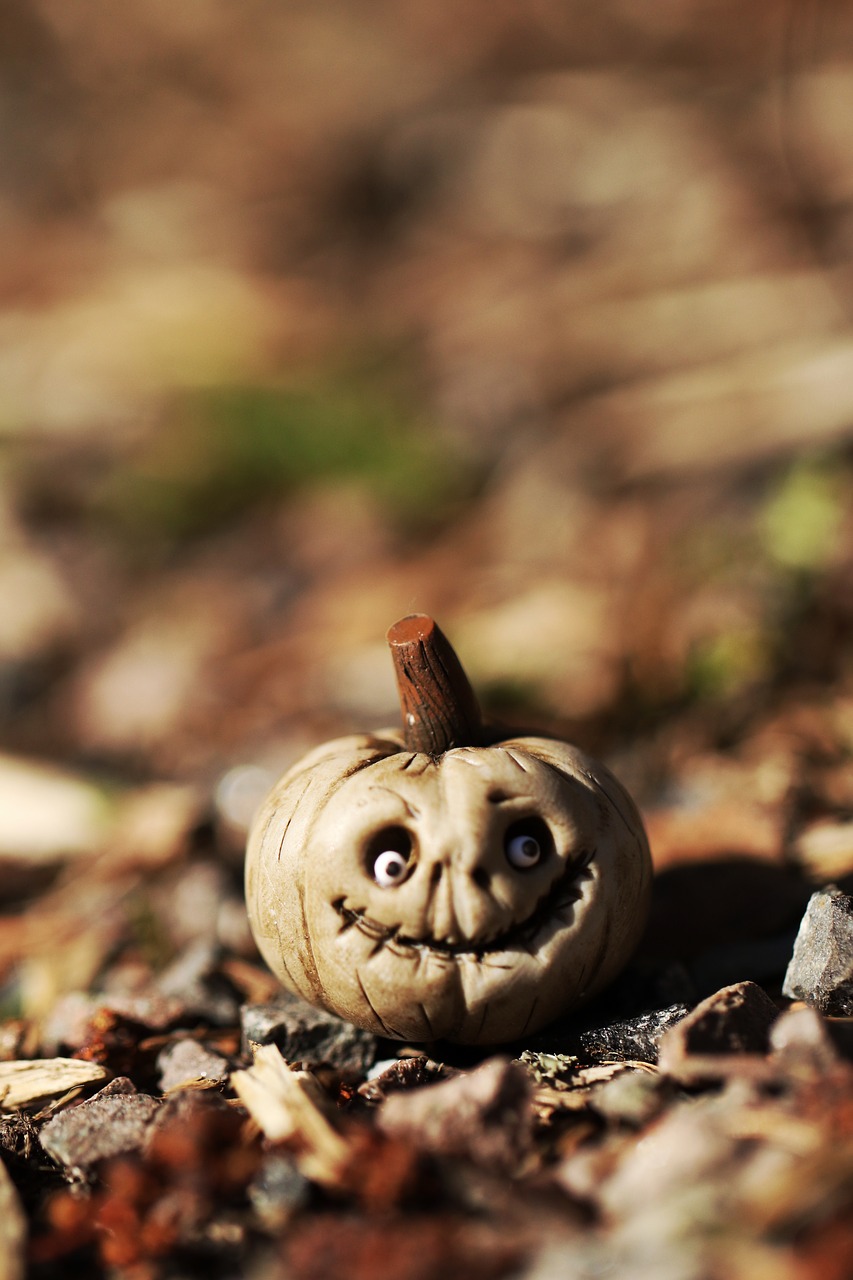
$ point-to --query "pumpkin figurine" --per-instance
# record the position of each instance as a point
(446, 882)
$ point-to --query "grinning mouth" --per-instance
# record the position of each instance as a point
(563, 893)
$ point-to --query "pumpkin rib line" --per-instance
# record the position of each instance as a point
(306, 952)
(514, 758)
(422, 1008)
(599, 957)
(357, 768)
(529, 1017)
(290, 818)
(613, 801)
(383, 1024)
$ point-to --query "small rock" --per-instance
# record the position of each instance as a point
(634, 1039)
(637, 1038)
(102, 1127)
(121, 1086)
(821, 968)
(278, 1191)
(152, 1011)
(484, 1115)
(204, 992)
(66, 1026)
(802, 1044)
(305, 1034)
(711, 1042)
(187, 1062)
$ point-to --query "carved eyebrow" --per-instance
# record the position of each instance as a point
(409, 760)
(411, 809)
(468, 755)
(497, 795)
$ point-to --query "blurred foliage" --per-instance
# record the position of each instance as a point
(226, 449)
(721, 666)
(756, 567)
(800, 523)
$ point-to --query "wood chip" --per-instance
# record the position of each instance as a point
(289, 1106)
(13, 1230)
(27, 1082)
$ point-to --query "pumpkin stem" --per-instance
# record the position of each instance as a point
(439, 707)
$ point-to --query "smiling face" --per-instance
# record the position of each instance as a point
(471, 897)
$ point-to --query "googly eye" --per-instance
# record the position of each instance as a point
(523, 851)
(390, 868)
(388, 856)
(527, 843)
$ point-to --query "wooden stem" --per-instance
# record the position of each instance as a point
(439, 708)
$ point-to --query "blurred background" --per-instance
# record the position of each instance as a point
(534, 316)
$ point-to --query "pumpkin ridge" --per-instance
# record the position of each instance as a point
(514, 758)
(601, 952)
(290, 818)
(386, 1029)
(529, 1016)
(306, 952)
(422, 1008)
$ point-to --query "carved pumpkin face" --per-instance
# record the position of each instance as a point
(470, 896)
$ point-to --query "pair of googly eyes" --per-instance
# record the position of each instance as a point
(522, 851)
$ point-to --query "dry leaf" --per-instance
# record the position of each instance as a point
(26, 1082)
(288, 1106)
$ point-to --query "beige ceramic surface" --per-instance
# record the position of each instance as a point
(464, 946)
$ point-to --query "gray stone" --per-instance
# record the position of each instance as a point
(278, 1191)
(631, 1039)
(712, 1041)
(821, 968)
(194, 979)
(802, 1044)
(102, 1127)
(483, 1115)
(305, 1034)
(636, 1038)
(186, 1061)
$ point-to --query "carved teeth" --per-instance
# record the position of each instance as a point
(556, 903)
